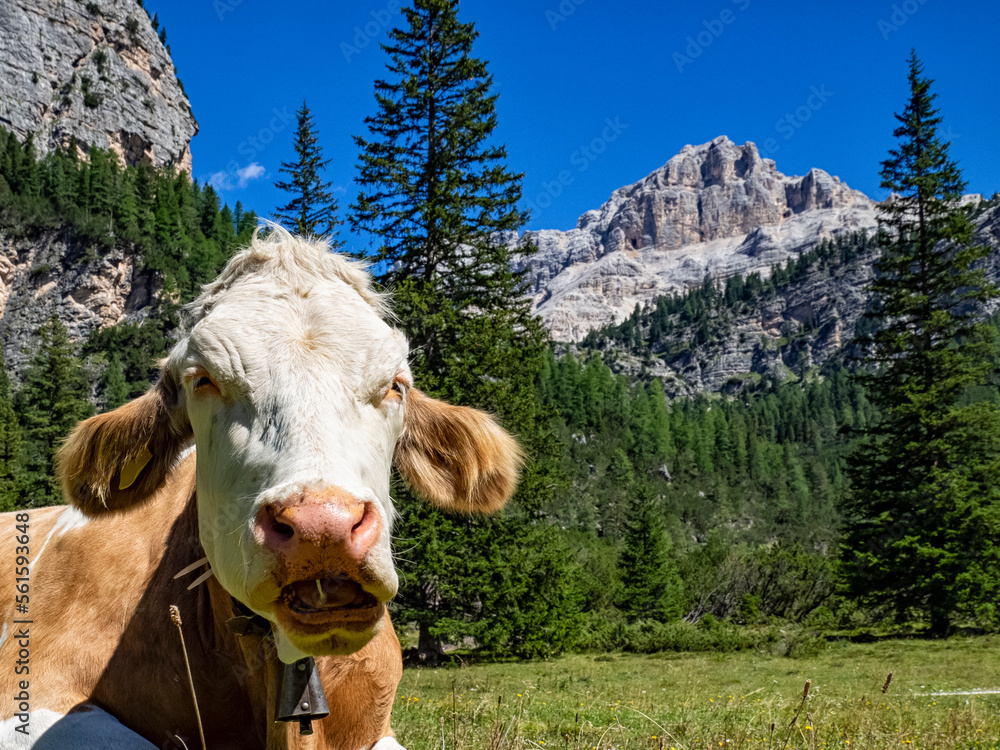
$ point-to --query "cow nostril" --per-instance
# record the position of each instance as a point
(362, 532)
(361, 521)
(283, 530)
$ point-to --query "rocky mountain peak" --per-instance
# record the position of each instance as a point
(96, 71)
(714, 163)
(716, 209)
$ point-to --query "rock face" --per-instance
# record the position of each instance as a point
(714, 209)
(96, 71)
(801, 323)
(47, 274)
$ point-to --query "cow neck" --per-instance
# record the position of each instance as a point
(144, 683)
(299, 691)
(295, 692)
(253, 651)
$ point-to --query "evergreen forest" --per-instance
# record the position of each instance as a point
(647, 519)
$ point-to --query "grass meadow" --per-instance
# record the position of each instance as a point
(683, 701)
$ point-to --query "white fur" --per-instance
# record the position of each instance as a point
(70, 517)
(87, 730)
(387, 743)
(297, 342)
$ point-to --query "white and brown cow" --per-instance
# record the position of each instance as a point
(295, 393)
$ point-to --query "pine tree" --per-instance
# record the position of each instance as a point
(244, 221)
(51, 401)
(136, 347)
(29, 178)
(146, 200)
(127, 210)
(10, 448)
(116, 390)
(312, 209)
(434, 191)
(166, 218)
(924, 508)
(651, 585)
(616, 499)
(439, 201)
(101, 190)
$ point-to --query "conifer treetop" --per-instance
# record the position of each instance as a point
(433, 183)
(919, 170)
(312, 209)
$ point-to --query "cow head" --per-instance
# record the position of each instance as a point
(297, 395)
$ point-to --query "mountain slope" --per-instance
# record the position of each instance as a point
(724, 334)
(95, 72)
(57, 273)
(76, 232)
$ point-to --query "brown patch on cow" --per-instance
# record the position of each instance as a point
(360, 690)
(104, 590)
(456, 457)
(90, 461)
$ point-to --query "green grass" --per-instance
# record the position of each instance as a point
(687, 701)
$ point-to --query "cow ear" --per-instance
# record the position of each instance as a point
(456, 457)
(115, 460)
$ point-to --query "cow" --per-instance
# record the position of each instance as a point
(250, 488)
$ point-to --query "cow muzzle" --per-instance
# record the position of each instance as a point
(322, 544)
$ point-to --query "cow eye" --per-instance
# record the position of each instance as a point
(204, 384)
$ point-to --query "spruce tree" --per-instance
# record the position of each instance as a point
(438, 200)
(651, 584)
(616, 498)
(924, 508)
(116, 388)
(312, 208)
(51, 401)
(103, 198)
(128, 207)
(245, 222)
(10, 447)
(435, 191)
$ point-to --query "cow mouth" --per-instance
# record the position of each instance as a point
(329, 599)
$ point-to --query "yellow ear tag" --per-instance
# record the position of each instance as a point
(133, 468)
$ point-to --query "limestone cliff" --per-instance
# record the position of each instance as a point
(95, 71)
(53, 273)
(714, 209)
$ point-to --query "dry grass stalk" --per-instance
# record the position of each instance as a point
(175, 618)
(805, 694)
(871, 724)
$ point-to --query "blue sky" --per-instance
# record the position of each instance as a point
(595, 92)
